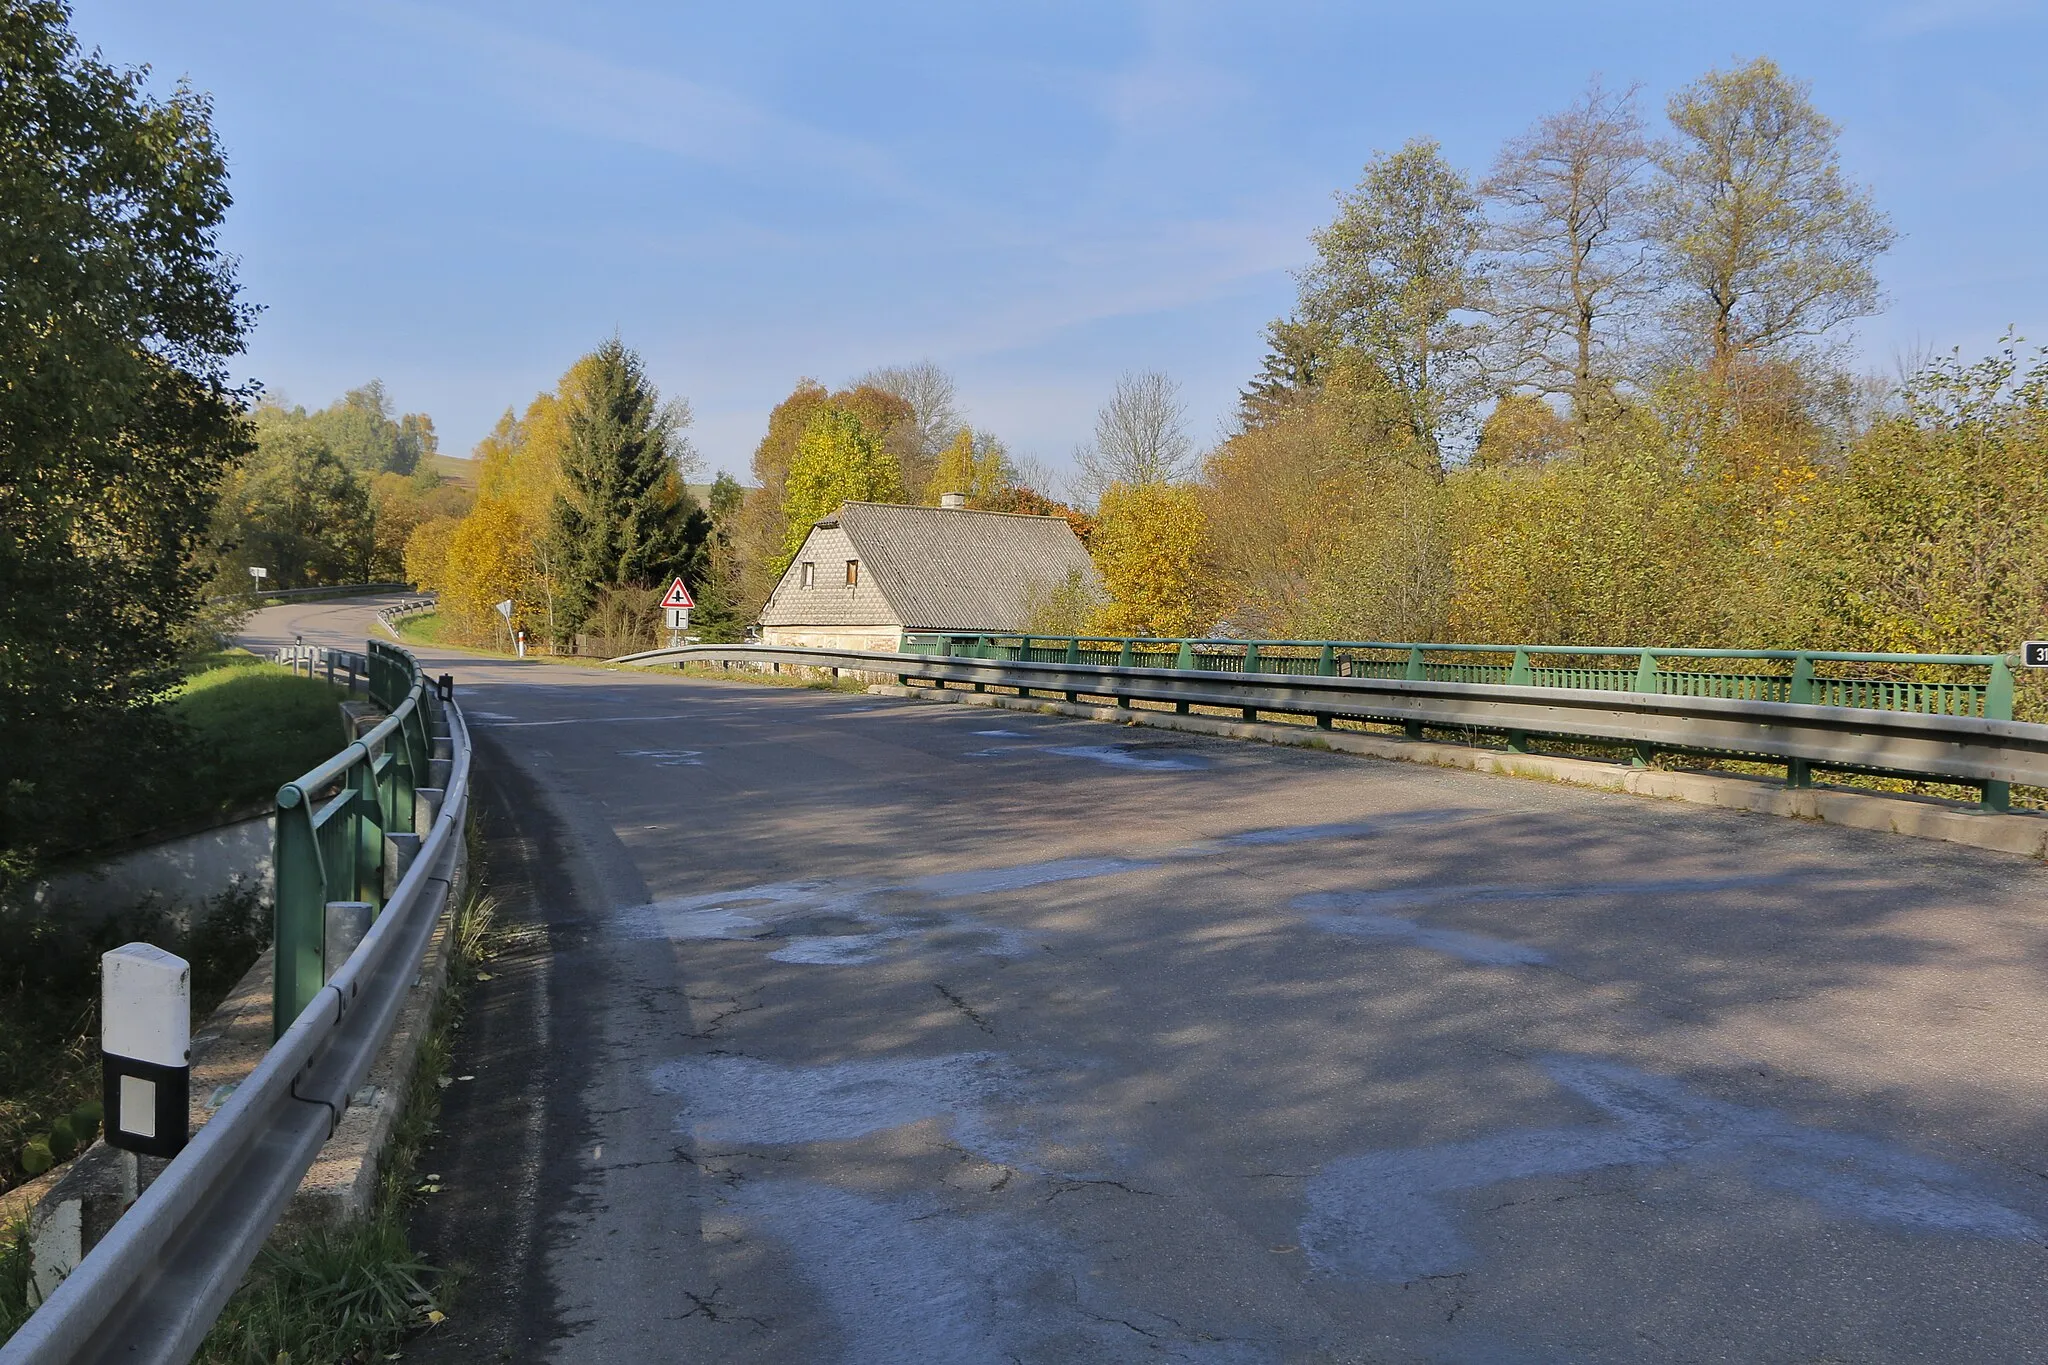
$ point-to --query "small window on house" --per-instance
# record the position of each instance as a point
(810, 574)
(853, 573)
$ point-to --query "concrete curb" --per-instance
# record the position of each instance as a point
(1914, 816)
(76, 1211)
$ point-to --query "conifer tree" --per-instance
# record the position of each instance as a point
(622, 516)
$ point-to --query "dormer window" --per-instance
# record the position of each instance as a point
(853, 573)
(810, 579)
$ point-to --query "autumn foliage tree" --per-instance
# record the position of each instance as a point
(838, 460)
(1148, 546)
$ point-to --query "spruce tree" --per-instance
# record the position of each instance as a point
(622, 517)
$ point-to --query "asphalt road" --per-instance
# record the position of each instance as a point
(850, 1029)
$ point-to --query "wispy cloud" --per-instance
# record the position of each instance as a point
(650, 108)
(1171, 85)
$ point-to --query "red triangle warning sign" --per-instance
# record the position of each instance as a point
(678, 596)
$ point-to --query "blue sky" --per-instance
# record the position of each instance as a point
(461, 198)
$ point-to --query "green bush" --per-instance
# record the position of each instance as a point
(36, 1156)
(85, 1122)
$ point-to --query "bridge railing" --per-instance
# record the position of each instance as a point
(1938, 684)
(336, 826)
(1940, 718)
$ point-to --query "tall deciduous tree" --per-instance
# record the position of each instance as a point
(976, 465)
(838, 460)
(292, 507)
(1147, 545)
(1141, 436)
(118, 314)
(622, 516)
(1767, 244)
(1572, 261)
(929, 393)
(760, 528)
(1396, 277)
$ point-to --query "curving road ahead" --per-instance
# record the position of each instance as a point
(850, 1029)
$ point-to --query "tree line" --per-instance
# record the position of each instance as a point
(585, 509)
(1599, 395)
(329, 496)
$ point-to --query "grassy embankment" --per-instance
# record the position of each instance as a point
(249, 727)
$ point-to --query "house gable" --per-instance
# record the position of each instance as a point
(829, 600)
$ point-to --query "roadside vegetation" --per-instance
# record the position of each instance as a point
(241, 727)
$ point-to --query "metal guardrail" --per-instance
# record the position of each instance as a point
(341, 667)
(312, 594)
(1806, 736)
(150, 1290)
(389, 617)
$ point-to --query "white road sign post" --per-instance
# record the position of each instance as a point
(675, 605)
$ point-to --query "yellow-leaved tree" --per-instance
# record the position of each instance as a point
(837, 460)
(976, 465)
(1147, 545)
(499, 551)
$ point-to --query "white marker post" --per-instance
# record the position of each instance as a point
(146, 1049)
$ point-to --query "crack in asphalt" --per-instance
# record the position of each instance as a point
(973, 1015)
(1069, 1186)
(707, 1306)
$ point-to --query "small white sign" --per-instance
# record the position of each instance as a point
(678, 618)
(505, 609)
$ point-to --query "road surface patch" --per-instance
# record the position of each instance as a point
(1385, 1216)
(667, 758)
(743, 1101)
(908, 1279)
(1479, 949)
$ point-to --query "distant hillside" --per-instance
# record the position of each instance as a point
(455, 469)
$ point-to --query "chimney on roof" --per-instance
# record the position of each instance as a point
(953, 500)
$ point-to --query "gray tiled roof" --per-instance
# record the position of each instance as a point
(934, 568)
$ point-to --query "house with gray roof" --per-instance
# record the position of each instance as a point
(872, 571)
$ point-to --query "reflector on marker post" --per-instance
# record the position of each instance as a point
(146, 1049)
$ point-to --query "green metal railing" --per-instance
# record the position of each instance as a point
(1977, 685)
(332, 825)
